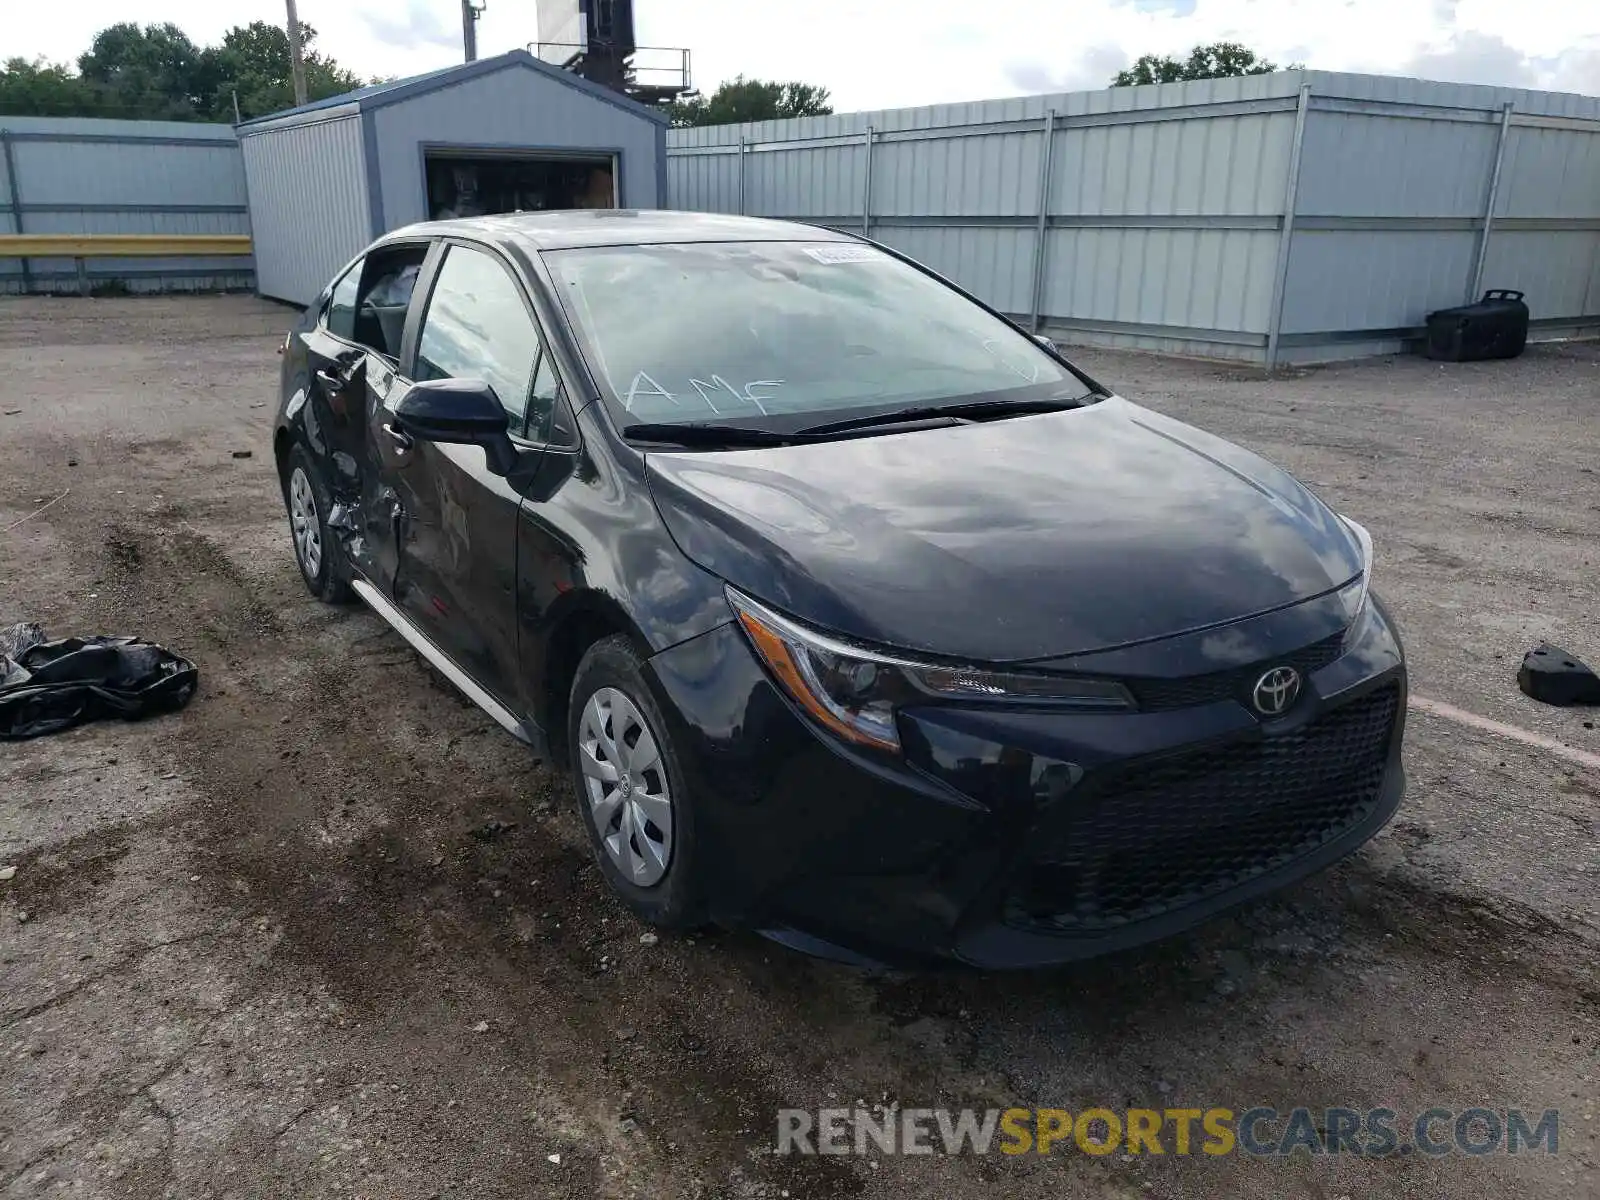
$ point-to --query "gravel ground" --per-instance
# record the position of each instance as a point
(274, 945)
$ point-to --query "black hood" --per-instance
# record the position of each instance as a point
(1034, 537)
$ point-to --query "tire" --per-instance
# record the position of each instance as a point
(641, 828)
(321, 561)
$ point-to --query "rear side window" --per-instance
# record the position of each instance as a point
(477, 327)
(341, 311)
(386, 287)
(381, 314)
(368, 305)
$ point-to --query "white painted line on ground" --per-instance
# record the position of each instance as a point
(1449, 712)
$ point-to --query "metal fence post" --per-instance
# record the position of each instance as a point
(743, 209)
(1291, 193)
(866, 187)
(1043, 230)
(1476, 288)
(15, 189)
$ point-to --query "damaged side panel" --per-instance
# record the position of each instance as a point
(340, 368)
(346, 389)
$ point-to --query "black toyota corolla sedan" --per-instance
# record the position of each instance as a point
(856, 614)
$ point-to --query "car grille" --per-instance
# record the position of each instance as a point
(1161, 835)
(1155, 695)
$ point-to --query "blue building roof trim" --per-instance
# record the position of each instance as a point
(361, 97)
(379, 95)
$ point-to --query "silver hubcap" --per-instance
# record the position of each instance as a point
(626, 783)
(303, 522)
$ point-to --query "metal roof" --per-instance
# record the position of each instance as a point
(570, 228)
(379, 95)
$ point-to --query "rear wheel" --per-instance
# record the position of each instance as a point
(631, 788)
(321, 562)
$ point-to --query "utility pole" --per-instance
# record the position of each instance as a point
(470, 11)
(297, 62)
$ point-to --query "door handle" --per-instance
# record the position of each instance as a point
(400, 436)
(331, 381)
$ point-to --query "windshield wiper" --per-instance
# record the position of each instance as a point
(707, 433)
(712, 433)
(977, 410)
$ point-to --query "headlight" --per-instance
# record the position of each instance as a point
(854, 690)
(1354, 594)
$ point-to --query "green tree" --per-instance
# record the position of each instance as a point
(744, 99)
(156, 72)
(41, 89)
(253, 61)
(1219, 60)
(151, 71)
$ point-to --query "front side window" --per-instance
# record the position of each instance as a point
(340, 315)
(477, 327)
(543, 400)
(764, 333)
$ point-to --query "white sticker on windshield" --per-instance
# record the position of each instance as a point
(843, 254)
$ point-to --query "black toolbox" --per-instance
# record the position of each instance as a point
(1494, 327)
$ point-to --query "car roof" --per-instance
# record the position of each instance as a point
(569, 228)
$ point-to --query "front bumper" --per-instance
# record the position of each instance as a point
(1006, 838)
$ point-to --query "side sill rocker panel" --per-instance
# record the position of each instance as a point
(420, 643)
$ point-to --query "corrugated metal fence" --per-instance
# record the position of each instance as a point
(1154, 217)
(79, 175)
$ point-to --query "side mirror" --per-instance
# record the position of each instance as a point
(1049, 343)
(460, 412)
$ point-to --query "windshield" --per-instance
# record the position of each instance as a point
(756, 332)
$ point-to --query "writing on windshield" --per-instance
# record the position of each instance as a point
(714, 394)
(750, 329)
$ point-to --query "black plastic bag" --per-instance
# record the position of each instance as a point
(46, 687)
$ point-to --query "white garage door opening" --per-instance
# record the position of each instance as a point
(475, 184)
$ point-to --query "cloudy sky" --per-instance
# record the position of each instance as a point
(889, 53)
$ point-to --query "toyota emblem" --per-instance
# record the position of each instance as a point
(1276, 691)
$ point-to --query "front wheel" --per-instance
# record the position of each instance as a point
(631, 787)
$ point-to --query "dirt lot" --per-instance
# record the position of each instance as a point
(247, 948)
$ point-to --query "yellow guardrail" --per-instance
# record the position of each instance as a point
(121, 245)
(80, 247)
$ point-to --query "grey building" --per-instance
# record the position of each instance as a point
(497, 135)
